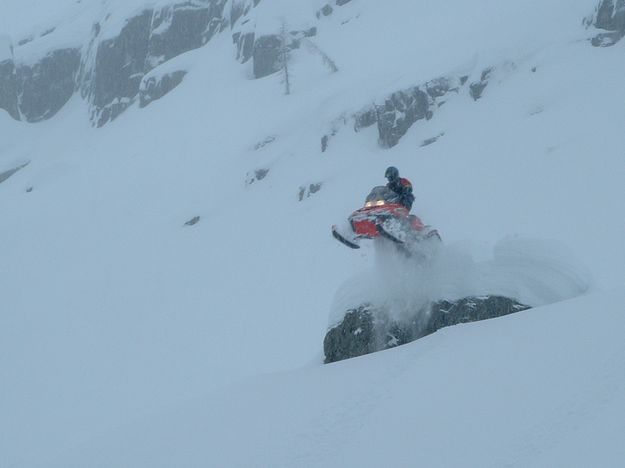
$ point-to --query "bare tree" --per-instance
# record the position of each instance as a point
(285, 57)
(327, 61)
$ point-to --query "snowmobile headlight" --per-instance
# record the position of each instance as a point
(369, 204)
(380, 203)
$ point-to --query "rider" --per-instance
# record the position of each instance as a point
(402, 187)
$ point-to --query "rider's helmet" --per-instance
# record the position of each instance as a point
(392, 174)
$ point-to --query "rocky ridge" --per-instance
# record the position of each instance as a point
(113, 72)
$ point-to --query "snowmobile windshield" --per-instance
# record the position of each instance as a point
(381, 195)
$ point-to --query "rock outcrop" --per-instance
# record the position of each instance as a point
(155, 87)
(610, 16)
(109, 70)
(368, 329)
(403, 108)
(46, 86)
(146, 41)
(8, 79)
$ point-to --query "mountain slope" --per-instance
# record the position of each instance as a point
(540, 388)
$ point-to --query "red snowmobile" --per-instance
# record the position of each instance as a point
(384, 217)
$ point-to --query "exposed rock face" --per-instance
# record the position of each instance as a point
(245, 45)
(146, 41)
(268, 50)
(155, 87)
(611, 17)
(46, 86)
(368, 329)
(403, 108)
(119, 68)
(37, 91)
(471, 309)
(178, 28)
(8, 79)
(355, 336)
(267, 55)
(109, 72)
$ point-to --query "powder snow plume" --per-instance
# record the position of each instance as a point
(533, 271)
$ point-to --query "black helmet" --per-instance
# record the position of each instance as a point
(391, 173)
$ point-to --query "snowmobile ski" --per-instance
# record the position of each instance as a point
(343, 240)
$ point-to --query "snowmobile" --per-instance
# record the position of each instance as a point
(384, 217)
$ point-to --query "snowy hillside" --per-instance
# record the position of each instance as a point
(133, 333)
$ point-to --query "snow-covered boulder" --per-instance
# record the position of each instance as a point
(367, 329)
(610, 16)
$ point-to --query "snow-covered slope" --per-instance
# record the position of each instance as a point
(115, 315)
(540, 389)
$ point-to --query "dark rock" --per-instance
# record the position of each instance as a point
(245, 46)
(183, 27)
(48, 31)
(238, 10)
(429, 141)
(325, 139)
(606, 39)
(46, 86)
(402, 109)
(306, 192)
(326, 10)
(154, 87)
(440, 87)
(6, 174)
(8, 86)
(342, 2)
(267, 141)
(147, 40)
(355, 336)
(25, 41)
(257, 175)
(260, 174)
(399, 113)
(314, 188)
(366, 118)
(110, 72)
(193, 221)
(610, 17)
(476, 89)
(324, 143)
(368, 329)
(267, 55)
(471, 309)
(119, 69)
